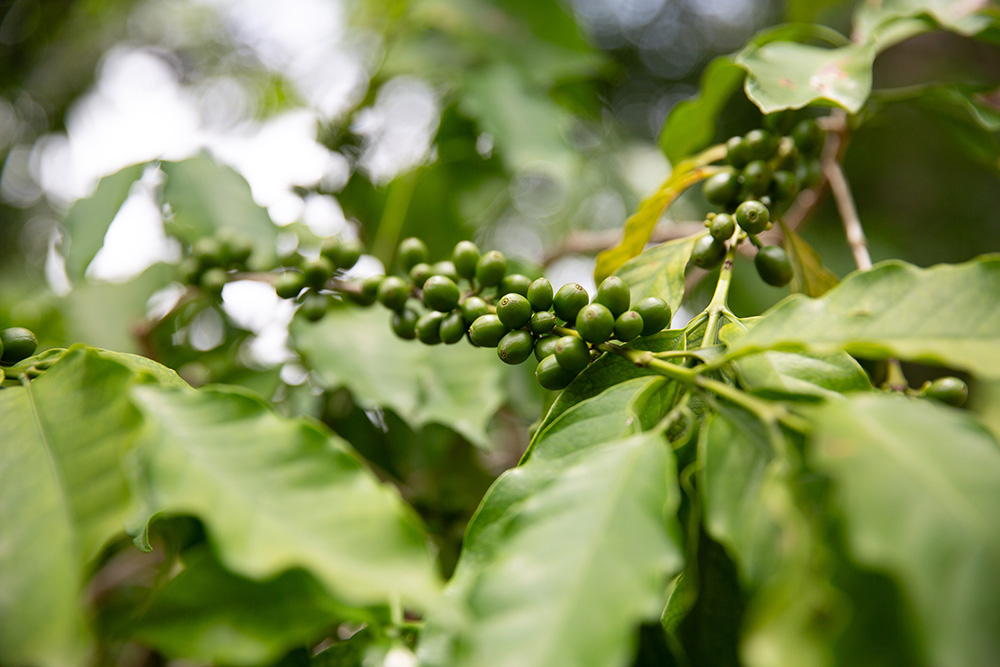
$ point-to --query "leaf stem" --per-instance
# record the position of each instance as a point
(718, 305)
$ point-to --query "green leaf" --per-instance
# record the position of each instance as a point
(88, 220)
(276, 494)
(208, 614)
(659, 271)
(880, 21)
(458, 386)
(63, 495)
(784, 75)
(692, 124)
(939, 315)
(205, 197)
(810, 276)
(918, 486)
(639, 226)
(567, 573)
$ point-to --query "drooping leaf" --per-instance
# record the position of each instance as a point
(785, 75)
(882, 19)
(208, 614)
(939, 315)
(565, 575)
(639, 226)
(458, 386)
(63, 494)
(205, 197)
(810, 276)
(89, 219)
(276, 494)
(917, 486)
(659, 271)
(691, 125)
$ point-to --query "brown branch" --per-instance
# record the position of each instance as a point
(853, 230)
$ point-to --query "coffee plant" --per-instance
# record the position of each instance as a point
(813, 482)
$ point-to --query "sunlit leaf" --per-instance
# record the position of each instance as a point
(810, 276)
(692, 124)
(659, 271)
(639, 226)
(89, 219)
(875, 20)
(939, 315)
(458, 386)
(918, 486)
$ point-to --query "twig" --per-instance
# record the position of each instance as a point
(845, 201)
(592, 242)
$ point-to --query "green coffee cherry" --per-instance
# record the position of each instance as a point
(441, 293)
(721, 189)
(446, 269)
(542, 322)
(208, 251)
(808, 137)
(595, 323)
(756, 178)
(613, 294)
(551, 375)
(393, 293)
(737, 152)
(314, 306)
(288, 284)
(213, 280)
(722, 227)
(628, 326)
(784, 186)
(572, 353)
(809, 173)
(347, 253)
(568, 301)
(189, 271)
(773, 265)
(330, 248)
(655, 314)
(472, 308)
(465, 256)
(514, 310)
(317, 271)
(708, 252)
(752, 216)
(368, 292)
(515, 283)
(761, 144)
(404, 324)
(487, 331)
(545, 346)
(236, 248)
(780, 122)
(949, 390)
(411, 251)
(419, 273)
(453, 327)
(540, 294)
(491, 268)
(429, 327)
(16, 344)
(515, 347)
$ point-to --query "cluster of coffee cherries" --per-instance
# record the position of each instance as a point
(473, 296)
(309, 278)
(212, 260)
(766, 168)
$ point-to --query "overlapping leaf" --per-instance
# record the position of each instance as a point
(939, 315)
(691, 124)
(659, 271)
(918, 486)
(810, 276)
(458, 386)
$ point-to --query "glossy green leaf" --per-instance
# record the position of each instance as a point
(692, 124)
(917, 486)
(276, 494)
(204, 197)
(785, 75)
(639, 226)
(810, 276)
(659, 271)
(206, 613)
(564, 575)
(455, 385)
(939, 315)
(63, 494)
(89, 219)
